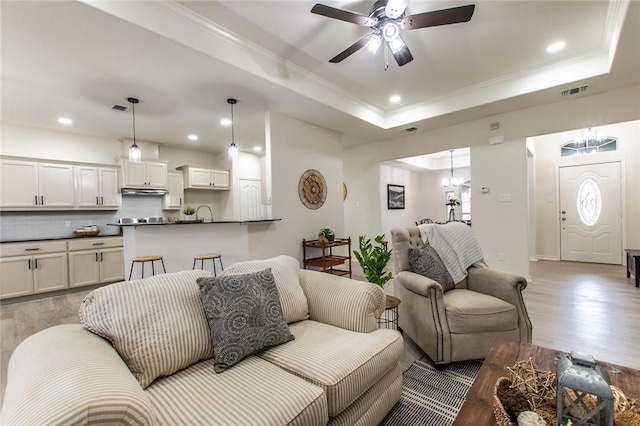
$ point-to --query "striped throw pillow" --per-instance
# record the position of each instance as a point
(157, 325)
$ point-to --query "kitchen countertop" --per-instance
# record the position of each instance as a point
(206, 222)
(34, 240)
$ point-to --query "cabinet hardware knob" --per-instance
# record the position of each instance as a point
(32, 249)
(96, 256)
(42, 200)
(36, 197)
(29, 263)
(35, 263)
(101, 257)
(97, 202)
(102, 201)
(98, 244)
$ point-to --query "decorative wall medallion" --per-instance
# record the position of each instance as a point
(312, 189)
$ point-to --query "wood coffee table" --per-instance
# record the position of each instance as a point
(478, 406)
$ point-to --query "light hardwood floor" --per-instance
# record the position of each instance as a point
(584, 307)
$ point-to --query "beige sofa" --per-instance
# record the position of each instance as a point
(339, 370)
(462, 323)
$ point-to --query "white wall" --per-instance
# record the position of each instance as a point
(32, 142)
(296, 147)
(414, 199)
(501, 227)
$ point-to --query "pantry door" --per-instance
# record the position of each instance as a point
(591, 213)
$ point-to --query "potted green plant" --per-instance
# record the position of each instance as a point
(373, 259)
(326, 233)
(189, 213)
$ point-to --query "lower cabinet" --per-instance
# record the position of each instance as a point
(102, 263)
(41, 267)
(32, 274)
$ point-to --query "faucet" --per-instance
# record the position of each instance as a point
(210, 212)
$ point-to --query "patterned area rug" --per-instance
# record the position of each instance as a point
(430, 396)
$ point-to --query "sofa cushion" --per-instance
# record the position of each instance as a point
(470, 312)
(426, 262)
(285, 269)
(244, 316)
(51, 372)
(343, 363)
(253, 392)
(156, 324)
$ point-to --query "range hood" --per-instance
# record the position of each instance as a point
(143, 191)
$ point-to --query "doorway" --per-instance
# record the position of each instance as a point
(250, 199)
(591, 213)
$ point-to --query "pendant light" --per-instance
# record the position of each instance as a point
(453, 181)
(233, 148)
(135, 153)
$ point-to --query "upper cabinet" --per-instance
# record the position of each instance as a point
(205, 178)
(174, 198)
(144, 174)
(33, 185)
(98, 187)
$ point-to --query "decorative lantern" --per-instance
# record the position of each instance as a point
(583, 395)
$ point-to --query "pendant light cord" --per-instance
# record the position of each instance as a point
(233, 137)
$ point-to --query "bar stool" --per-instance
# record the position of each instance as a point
(207, 256)
(143, 259)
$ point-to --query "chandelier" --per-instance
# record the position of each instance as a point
(589, 142)
(452, 181)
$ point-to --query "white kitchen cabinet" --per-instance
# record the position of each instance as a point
(175, 197)
(34, 185)
(144, 174)
(30, 268)
(97, 187)
(204, 178)
(95, 261)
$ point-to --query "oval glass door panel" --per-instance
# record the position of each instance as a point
(589, 202)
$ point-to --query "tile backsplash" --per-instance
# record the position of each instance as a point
(18, 226)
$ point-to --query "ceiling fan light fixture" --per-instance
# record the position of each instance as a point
(374, 43)
(396, 45)
(390, 31)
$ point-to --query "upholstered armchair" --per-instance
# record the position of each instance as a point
(461, 323)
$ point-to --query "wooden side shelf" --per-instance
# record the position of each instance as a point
(327, 261)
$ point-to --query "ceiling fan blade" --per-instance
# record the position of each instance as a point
(351, 49)
(453, 15)
(395, 8)
(402, 56)
(342, 15)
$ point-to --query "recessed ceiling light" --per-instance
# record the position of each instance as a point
(257, 148)
(556, 47)
(64, 120)
(395, 99)
(193, 137)
(225, 122)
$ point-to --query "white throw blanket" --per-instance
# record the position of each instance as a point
(456, 245)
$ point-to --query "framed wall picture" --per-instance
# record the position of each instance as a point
(395, 197)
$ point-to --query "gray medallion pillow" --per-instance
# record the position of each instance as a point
(244, 316)
(425, 261)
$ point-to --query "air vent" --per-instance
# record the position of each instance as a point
(410, 129)
(119, 107)
(575, 90)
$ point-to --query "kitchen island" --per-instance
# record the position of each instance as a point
(179, 242)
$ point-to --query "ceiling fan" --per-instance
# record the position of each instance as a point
(386, 19)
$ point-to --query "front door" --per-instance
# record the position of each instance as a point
(591, 213)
